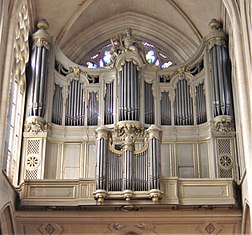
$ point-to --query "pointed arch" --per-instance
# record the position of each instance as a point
(6, 221)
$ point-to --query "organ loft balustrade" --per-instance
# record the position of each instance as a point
(132, 126)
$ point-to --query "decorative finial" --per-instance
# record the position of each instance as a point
(215, 24)
(43, 24)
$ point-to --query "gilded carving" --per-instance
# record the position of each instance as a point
(223, 124)
(100, 195)
(155, 195)
(35, 124)
(129, 132)
(41, 37)
(77, 72)
(41, 41)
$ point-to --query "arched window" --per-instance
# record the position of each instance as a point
(17, 92)
(153, 55)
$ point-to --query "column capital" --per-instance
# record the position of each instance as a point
(102, 132)
(154, 132)
(216, 35)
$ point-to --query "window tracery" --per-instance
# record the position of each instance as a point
(105, 55)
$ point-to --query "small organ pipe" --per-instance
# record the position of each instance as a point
(183, 98)
(78, 104)
(216, 87)
(185, 102)
(101, 158)
(36, 83)
(220, 80)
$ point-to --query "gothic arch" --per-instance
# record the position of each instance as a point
(246, 222)
(6, 221)
(179, 46)
(242, 84)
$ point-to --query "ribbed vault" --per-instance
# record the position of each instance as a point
(172, 41)
(175, 26)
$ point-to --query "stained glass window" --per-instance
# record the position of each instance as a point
(107, 57)
(103, 56)
(166, 64)
(150, 56)
(91, 65)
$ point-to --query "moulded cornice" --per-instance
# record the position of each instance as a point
(129, 56)
(64, 60)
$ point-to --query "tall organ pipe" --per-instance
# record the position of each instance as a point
(101, 158)
(154, 157)
(130, 93)
(37, 81)
(75, 104)
(220, 70)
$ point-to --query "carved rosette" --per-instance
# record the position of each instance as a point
(223, 124)
(35, 124)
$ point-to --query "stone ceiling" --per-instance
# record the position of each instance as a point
(177, 26)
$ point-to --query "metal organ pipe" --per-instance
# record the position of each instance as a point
(57, 105)
(101, 158)
(129, 96)
(221, 79)
(75, 104)
(37, 83)
(154, 157)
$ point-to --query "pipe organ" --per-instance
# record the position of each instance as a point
(129, 126)
(36, 95)
(183, 108)
(129, 96)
